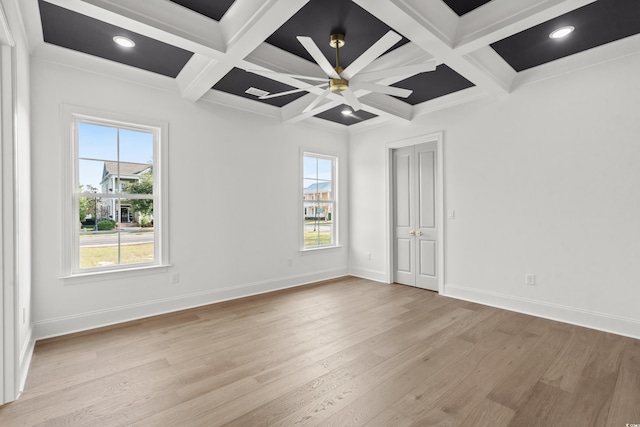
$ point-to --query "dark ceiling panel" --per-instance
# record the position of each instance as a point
(237, 81)
(427, 86)
(319, 19)
(75, 31)
(335, 115)
(461, 7)
(214, 9)
(596, 24)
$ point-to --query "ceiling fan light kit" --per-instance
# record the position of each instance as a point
(338, 78)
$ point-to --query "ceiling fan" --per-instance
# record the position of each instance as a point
(345, 81)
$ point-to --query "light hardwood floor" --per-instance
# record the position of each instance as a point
(339, 353)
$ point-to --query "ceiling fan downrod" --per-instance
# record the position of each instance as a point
(338, 85)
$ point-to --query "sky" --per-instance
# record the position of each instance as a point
(315, 170)
(98, 143)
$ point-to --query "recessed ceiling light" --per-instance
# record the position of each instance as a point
(346, 112)
(124, 42)
(561, 32)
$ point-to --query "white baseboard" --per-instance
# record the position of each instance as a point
(364, 273)
(603, 322)
(26, 354)
(81, 322)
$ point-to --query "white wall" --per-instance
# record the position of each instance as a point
(543, 181)
(233, 184)
(16, 201)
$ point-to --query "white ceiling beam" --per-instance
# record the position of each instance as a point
(420, 24)
(447, 101)
(582, 60)
(244, 27)
(500, 19)
(292, 112)
(493, 66)
(388, 107)
(100, 66)
(195, 77)
(249, 22)
(157, 19)
(272, 58)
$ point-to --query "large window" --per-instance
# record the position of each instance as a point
(319, 201)
(115, 217)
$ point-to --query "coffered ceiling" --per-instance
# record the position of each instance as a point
(202, 49)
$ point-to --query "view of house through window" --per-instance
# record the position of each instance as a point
(319, 200)
(115, 195)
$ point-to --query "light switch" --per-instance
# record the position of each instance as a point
(451, 214)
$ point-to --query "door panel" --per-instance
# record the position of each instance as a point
(404, 255)
(427, 258)
(404, 243)
(403, 195)
(415, 216)
(426, 190)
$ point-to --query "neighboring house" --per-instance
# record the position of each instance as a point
(321, 192)
(113, 180)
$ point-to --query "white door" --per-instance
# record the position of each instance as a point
(415, 219)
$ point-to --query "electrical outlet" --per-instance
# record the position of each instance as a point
(175, 278)
(369, 256)
(289, 262)
(530, 279)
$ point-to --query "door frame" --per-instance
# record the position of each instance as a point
(9, 375)
(438, 138)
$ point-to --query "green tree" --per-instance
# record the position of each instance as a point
(87, 204)
(144, 186)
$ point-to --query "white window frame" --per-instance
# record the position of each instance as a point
(335, 243)
(71, 116)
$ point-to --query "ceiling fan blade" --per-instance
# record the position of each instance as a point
(271, 74)
(389, 90)
(378, 48)
(409, 70)
(289, 92)
(316, 101)
(351, 99)
(318, 56)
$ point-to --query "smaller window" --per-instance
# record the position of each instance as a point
(318, 201)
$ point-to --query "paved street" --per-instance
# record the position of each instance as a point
(112, 239)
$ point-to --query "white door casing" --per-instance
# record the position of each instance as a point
(8, 297)
(416, 202)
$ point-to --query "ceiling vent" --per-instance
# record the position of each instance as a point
(256, 92)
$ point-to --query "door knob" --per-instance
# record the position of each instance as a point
(412, 233)
(418, 233)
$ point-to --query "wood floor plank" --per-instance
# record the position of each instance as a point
(529, 369)
(342, 352)
(625, 406)
(389, 417)
(284, 405)
(420, 401)
(631, 358)
(489, 413)
(326, 407)
(606, 358)
(566, 370)
(539, 409)
(370, 404)
(589, 408)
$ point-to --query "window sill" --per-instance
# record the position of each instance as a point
(98, 276)
(321, 248)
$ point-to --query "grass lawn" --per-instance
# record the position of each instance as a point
(312, 238)
(101, 256)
